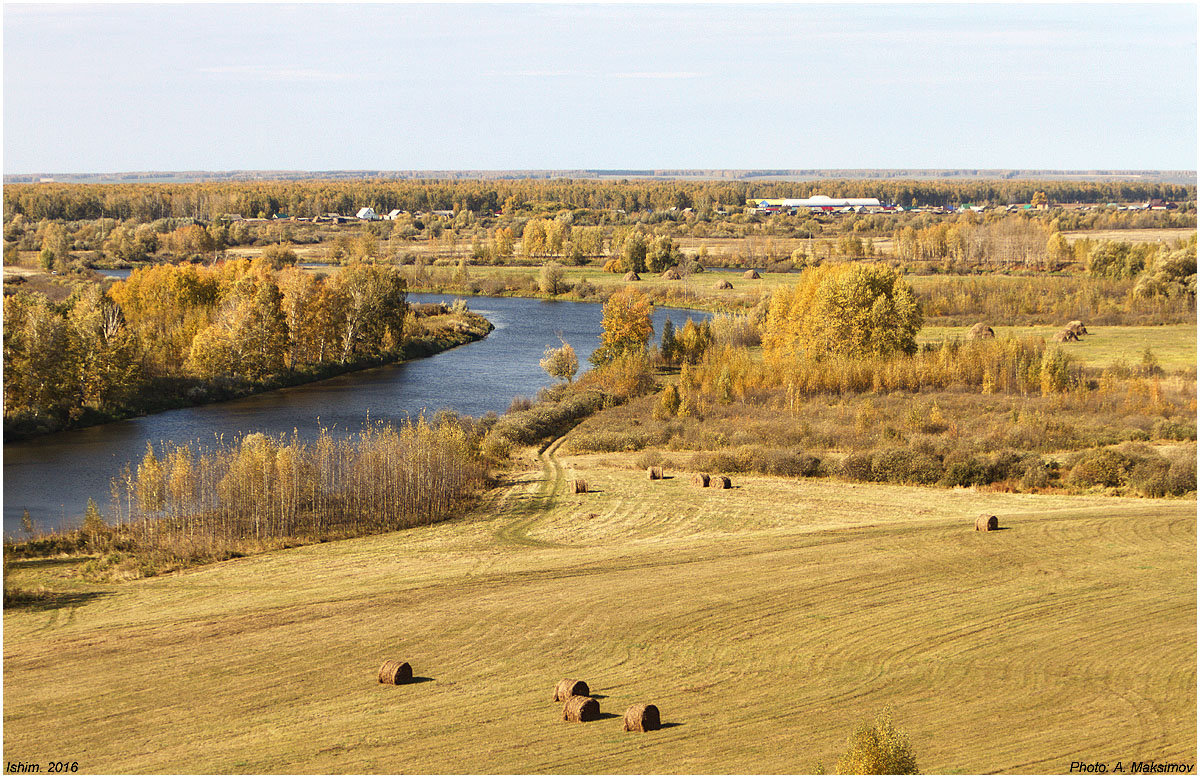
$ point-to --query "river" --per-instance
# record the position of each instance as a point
(53, 476)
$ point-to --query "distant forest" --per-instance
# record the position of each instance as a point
(211, 200)
(810, 174)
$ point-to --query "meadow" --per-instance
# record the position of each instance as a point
(764, 621)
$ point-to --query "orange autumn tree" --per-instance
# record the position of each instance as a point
(626, 326)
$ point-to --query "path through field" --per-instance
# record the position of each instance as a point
(765, 621)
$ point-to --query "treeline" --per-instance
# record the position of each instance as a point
(385, 477)
(184, 505)
(147, 202)
(233, 322)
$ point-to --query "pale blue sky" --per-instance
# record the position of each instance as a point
(104, 88)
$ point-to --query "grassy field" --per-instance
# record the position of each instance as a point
(764, 622)
(1174, 346)
(1156, 235)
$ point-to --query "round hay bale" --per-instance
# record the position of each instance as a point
(723, 284)
(395, 673)
(632, 276)
(642, 718)
(700, 479)
(986, 523)
(1065, 336)
(981, 332)
(579, 708)
(656, 473)
(579, 486)
(1077, 327)
(569, 687)
(720, 482)
(752, 274)
(672, 275)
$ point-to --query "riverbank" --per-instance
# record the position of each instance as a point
(436, 333)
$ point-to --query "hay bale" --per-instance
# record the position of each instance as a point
(720, 482)
(579, 708)
(569, 687)
(1065, 336)
(986, 523)
(981, 332)
(656, 473)
(395, 673)
(1077, 327)
(642, 718)
(700, 479)
(723, 284)
(751, 274)
(579, 486)
(632, 276)
(672, 275)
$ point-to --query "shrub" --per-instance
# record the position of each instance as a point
(649, 459)
(857, 466)
(1038, 474)
(1181, 476)
(1100, 467)
(878, 749)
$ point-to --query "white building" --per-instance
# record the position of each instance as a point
(367, 214)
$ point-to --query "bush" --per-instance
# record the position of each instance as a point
(1181, 476)
(1100, 467)
(649, 459)
(857, 467)
(1038, 474)
(878, 749)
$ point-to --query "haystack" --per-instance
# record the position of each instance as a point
(720, 482)
(753, 274)
(579, 486)
(580, 708)
(1077, 327)
(981, 332)
(395, 673)
(569, 687)
(672, 275)
(632, 276)
(700, 479)
(986, 523)
(723, 284)
(656, 473)
(1065, 336)
(642, 718)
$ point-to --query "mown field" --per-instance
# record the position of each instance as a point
(764, 621)
(1173, 346)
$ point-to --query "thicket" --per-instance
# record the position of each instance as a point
(183, 504)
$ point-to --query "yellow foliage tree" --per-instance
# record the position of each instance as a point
(627, 326)
(847, 309)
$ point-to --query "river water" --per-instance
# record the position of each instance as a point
(53, 476)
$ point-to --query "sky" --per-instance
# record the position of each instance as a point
(108, 88)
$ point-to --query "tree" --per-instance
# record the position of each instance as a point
(633, 253)
(626, 326)
(662, 254)
(878, 749)
(504, 243)
(846, 309)
(1039, 199)
(560, 362)
(668, 403)
(550, 280)
(667, 345)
